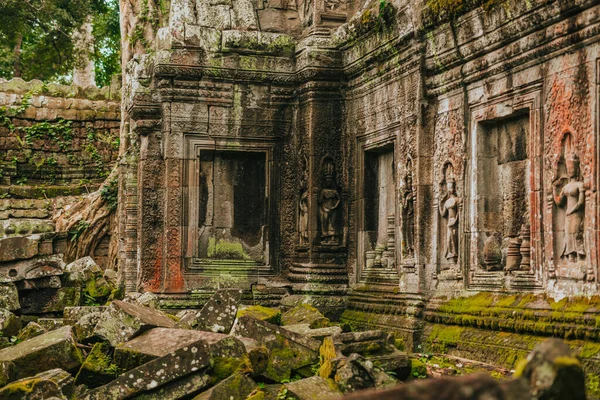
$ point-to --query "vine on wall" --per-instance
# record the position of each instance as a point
(43, 148)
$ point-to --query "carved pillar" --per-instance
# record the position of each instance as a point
(150, 189)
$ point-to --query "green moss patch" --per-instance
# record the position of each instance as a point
(271, 315)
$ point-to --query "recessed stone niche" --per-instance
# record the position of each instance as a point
(379, 206)
(503, 170)
(228, 208)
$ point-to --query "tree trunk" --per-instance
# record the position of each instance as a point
(17, 56)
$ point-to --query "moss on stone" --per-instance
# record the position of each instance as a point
(225, 250)
(258, 394)
(437, 12)
(267, 314)
(327, 354)
(418, 369)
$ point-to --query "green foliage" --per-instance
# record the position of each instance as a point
(107, 45)
(440, 11)
(110, 194)
(36, 38)
(225, 250)
(79, 229)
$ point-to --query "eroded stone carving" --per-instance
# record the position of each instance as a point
(408, 215)
(303, 206)
(329, 202)
(569, 194)
(449, 210)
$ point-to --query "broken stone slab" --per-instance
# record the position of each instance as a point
(49, 300)
(180, 389)
(364, 343)
(73, 314)
(122, 321)
(47, 282)
(96, 370)
(217, 315)
(35, 268)
(146, 299)
(54, 349)
(159, 342)
(30, 330)
(156, 373)
(318, 334)
(271, 315)
(288, 350)
(9, 296)
(237, 386)
(397, 362)
(350, 375)
(10, 324)
(54, 383)
(83, 329)
(18, 248)
(304, 314)
(82, 270)
(50, 324)
(88, 275)
(313, 388)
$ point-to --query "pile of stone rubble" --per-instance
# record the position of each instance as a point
(130, 349)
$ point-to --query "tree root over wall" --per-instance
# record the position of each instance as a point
(88, 222)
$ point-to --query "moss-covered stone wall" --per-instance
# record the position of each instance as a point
(56, 139)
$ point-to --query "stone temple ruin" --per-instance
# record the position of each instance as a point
(422, 168)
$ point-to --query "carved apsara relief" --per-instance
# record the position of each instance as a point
(329, 203)
(569, 198)
(303, 204)
(449, 207)
(408, 214)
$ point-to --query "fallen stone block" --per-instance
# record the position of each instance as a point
(10, 324)
(350, 375)
(159, 342)
(18, 248)
(35, 268)
(73, 314)
(84, 273)
(318, 334)
(217, 315)
(396, 362)
(49, 300)
(313, 388)
(156, 373)
(46, 385)
(9, 296)
(237, 386)
(142, 299)
(180, 389)
(271, 315)
(50, 324)
(54, 349)
(30, 330)
(83, 329)
(98, 368)
(304, 314)
(47, 282)
(122, 321)
(288, 350)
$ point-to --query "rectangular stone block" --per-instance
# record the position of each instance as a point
(156, 373)
(123, 321)
(54, 349)
(159, 342)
